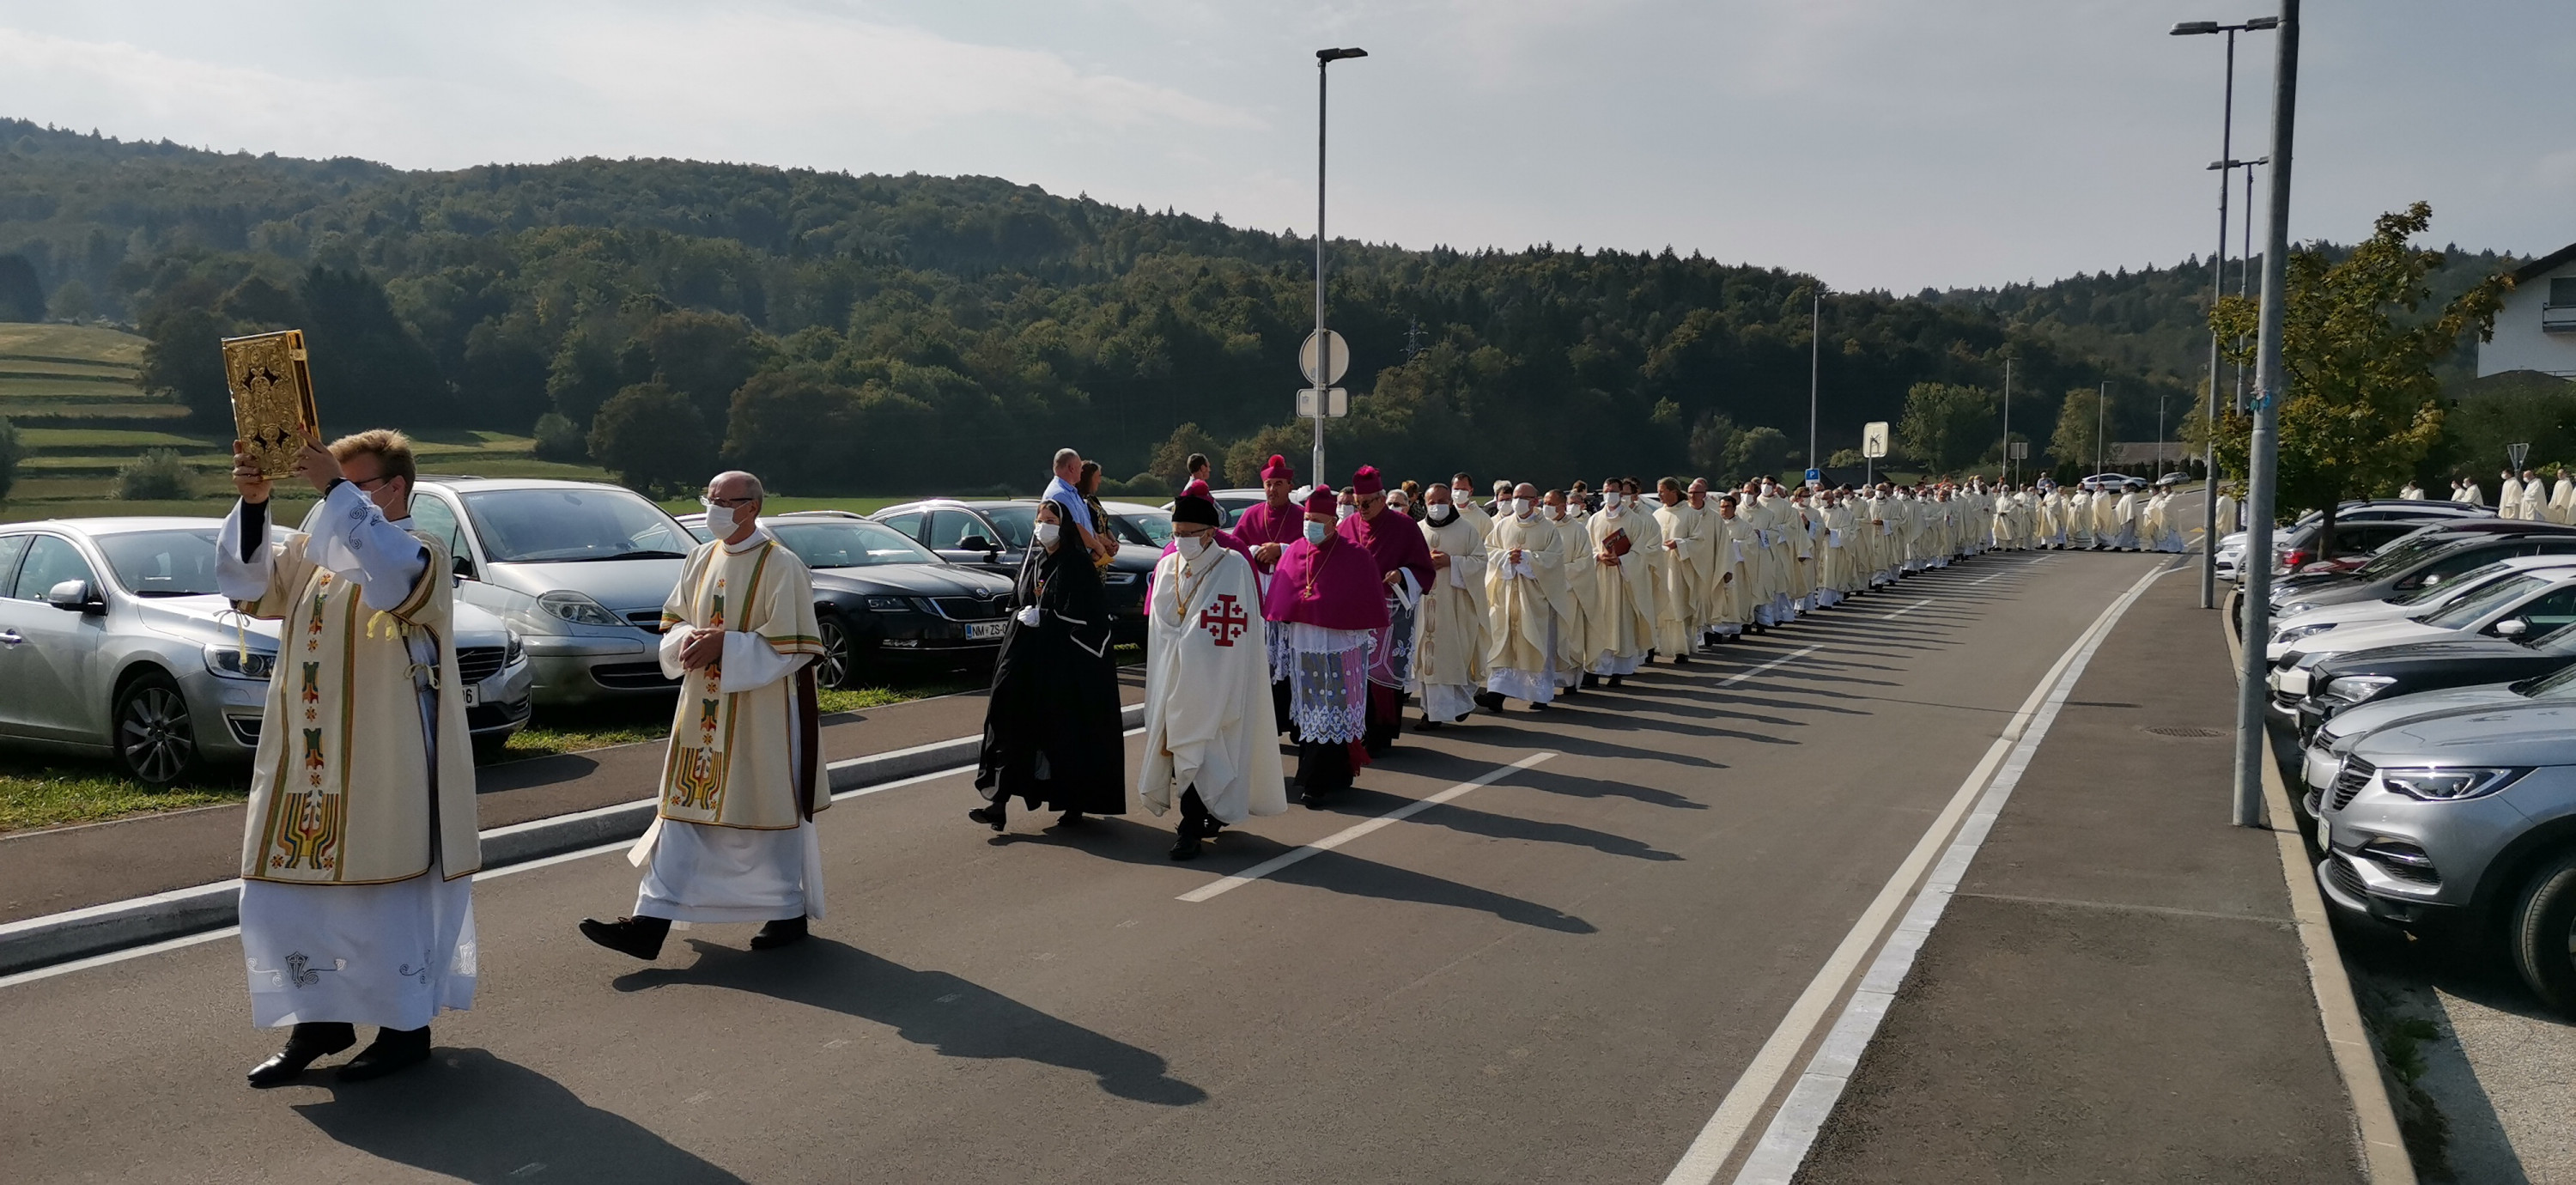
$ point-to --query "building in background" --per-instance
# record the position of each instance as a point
(2537, 329)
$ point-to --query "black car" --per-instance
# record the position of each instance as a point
(993, 535)
(883, 600)
(2389, 671)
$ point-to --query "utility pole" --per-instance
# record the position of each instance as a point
(2101, 413)
(2263, 455)
(1815, 368)
(2008, 465)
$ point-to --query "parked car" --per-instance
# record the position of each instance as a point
(2428, 560)
(115, 640)
(1229, 503)
(2289, 628)
(2526, 604)
(2465, 822)
(2231, 547)
(993, 534)
(1140, 524)
(580, 569)
(2116, 482)
(2338, 684)
(882, 600)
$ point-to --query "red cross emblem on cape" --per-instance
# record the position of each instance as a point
(1225, 620)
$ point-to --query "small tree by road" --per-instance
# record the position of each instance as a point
(652, 438)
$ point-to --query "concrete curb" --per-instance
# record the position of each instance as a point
(2356, 1057)
(117, 925)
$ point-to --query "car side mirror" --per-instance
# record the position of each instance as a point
(2512, 628)
(976, 543)
(462, 566)
(74, 596)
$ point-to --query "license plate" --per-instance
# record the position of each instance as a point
(473, 695)
(982, 631)
(2294, 682)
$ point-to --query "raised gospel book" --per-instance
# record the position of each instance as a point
(272, 392)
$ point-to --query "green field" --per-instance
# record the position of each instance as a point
(71, 390)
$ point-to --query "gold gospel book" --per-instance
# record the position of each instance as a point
(272, 397)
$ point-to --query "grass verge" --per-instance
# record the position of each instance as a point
(50, 796)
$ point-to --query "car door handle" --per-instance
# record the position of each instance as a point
(11, 637)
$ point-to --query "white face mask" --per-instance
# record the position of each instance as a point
(1611, 501)
(1046, 533)
(1345, 511)
(1521, 507)
(1317, 532)
(1190, 545)
(720, 519)
(1440, 514)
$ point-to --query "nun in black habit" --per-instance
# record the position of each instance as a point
(1051, 728)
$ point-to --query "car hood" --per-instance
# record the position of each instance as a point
(2474, 648)
(2522, 734)
(211, 618)
(2373, 635)
(622, 586)
(2364, 718)
(2346, 616)
(920, 580)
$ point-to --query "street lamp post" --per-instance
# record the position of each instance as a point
(1815, 369)
(2263, 448)
(2008, 465)
(2217, 287)
(1323, 344)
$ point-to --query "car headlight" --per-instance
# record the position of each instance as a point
(2296, 632)
(516, 652)
(2297, 607)
(234, 662)
(576, 608)
(2429, 784)
(889, 604)
(2356, 688)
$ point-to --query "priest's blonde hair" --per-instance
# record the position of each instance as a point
(390, 448)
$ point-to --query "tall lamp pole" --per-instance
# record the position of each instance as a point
(1323, 344)
(2263, 452)
(1815, 370)
(2008, 465)
(2217, 287)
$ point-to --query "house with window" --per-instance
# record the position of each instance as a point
(2537, 328)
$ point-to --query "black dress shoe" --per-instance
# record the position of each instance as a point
(1209, 826)
(1618, 680)
(779, 933)
(1071, 819)
(304, 1043)
(1430, 725)
(1681, 660)
(995, 816)
(1311, 800)
(393, 1049)
(640, 937)
(1591, 680)
(1187, 846)
(1538, 706)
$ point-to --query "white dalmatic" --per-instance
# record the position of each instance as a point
(1449, 661)
(1527, 596)
(1208, 721)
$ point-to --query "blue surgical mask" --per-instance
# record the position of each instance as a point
(1317, 532)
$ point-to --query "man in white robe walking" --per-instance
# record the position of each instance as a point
(359, 847)
(1209, 735)
(733, 839)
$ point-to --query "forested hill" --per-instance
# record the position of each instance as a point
(876, 333)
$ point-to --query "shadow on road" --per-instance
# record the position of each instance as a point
(957, 1017)
(473, 1116)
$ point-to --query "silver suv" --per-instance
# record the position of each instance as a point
(2457, 811)
(115, 641)
(580, 569)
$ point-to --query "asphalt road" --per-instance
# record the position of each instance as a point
(1553, 976)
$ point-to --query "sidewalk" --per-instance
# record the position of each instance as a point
(44, 872)
(2118, 990)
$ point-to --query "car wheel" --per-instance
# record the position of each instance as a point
(2544, 933)
(492, 748)
(833, 669)
(154, 738)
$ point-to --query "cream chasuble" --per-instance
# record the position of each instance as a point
(1208, 720)
(1449, 661)
(1527, 597)
(734, 757)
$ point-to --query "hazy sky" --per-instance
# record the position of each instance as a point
(1877, 143)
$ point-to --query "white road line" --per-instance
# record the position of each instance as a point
(1740, 676)
(1908, 609)
(1356, 830)
(188, 940)
(1725, 1129)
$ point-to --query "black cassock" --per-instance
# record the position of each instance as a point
(1051, 729)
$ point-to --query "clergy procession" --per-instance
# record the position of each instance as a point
(1323, 617)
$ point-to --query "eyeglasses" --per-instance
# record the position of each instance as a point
(727, 503)
(372, 484)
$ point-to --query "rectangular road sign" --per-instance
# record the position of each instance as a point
(1337, 403)
(1873, 439)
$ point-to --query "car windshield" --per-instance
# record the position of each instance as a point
(849, 544)
(2396, 559)
(1151, 528)
(178, 563)
(2560, 684)
(2484, 601)
(2440, 592)
(554, 526)
(1016, 522)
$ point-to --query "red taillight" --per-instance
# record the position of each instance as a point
(2295, 558)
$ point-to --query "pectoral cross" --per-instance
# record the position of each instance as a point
(1224, 621)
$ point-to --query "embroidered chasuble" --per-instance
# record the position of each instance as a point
(745, 758)
(340, 786)
(1208, 717)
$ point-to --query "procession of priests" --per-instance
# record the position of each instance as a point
(1300, 627)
